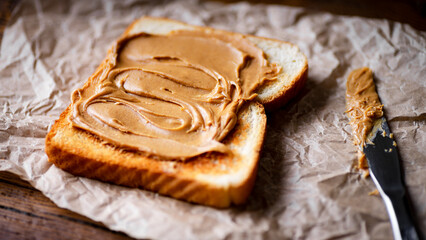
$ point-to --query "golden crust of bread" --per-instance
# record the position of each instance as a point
(212, 179)
(83, 154)
(287, 93)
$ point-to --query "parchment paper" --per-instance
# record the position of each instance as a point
(305, 186)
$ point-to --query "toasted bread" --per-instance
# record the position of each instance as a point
(212, 179)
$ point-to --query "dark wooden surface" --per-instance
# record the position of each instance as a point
(412, 12)
(25, 213)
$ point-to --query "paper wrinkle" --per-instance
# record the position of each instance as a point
(305, 187)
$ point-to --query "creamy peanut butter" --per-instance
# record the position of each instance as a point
(174, 96)
(363, 107)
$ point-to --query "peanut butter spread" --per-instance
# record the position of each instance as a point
(174, 96)
(362, 106)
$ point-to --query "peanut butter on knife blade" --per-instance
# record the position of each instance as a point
(363, 108)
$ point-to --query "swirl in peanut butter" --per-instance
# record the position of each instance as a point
(174, 96)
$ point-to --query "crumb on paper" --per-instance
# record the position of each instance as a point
(375, 192)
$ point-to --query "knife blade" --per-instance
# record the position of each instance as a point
(384, 164)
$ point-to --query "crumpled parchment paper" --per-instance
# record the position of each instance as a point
(305, 186)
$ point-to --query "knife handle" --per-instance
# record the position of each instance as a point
(403, 218)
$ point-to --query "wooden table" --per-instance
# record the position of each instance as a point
(25, 213)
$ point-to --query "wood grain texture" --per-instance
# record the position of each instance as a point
(25, 213)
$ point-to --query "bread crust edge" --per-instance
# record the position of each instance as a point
(83, 163)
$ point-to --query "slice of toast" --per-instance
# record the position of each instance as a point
(211, 179)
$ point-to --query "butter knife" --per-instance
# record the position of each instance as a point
(373, 136)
